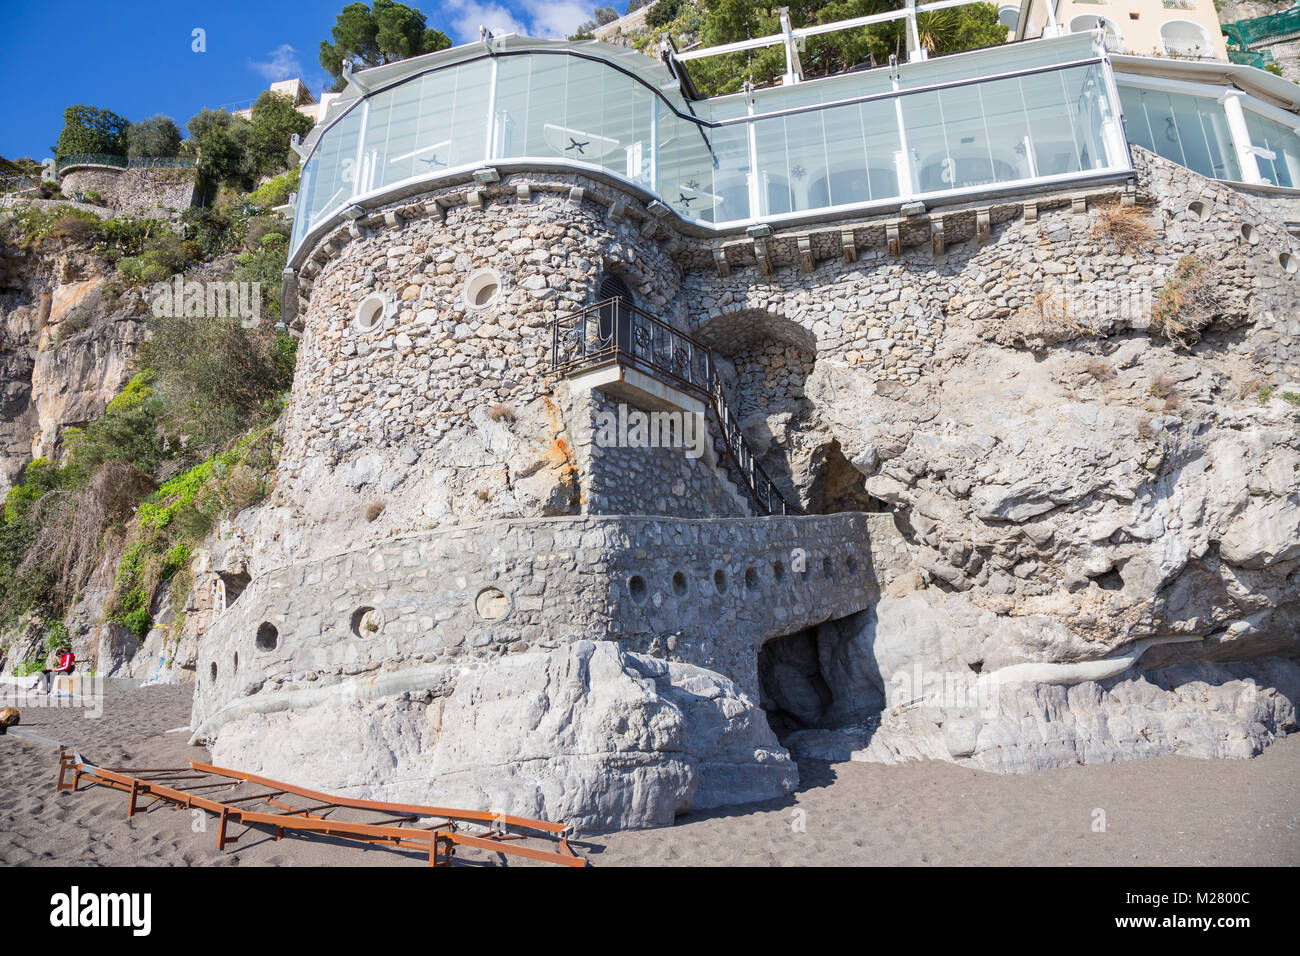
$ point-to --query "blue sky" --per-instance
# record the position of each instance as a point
(134, 57)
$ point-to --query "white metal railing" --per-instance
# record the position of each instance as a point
(791, 37)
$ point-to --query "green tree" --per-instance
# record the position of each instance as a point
(665, 12)
(274, 121)
(220, 141)
(726, 21)
(88, 129)
(384, 32)
(156, 136)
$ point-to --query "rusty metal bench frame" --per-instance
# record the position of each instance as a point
(502, 833)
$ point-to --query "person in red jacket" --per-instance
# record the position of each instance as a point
(63, 664)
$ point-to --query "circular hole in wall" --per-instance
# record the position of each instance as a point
(491, 604)
(636, 588)
(482, 289)
(213, 670)
(367, 621)
(778, 570)
(1288, 262)
(679, 584)
(751, 579)
(369, 313)
(1249, 233)
(268, 638)
(1197, 210)
(720, 581)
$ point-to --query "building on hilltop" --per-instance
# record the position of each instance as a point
(303, 100)
(1172, 28)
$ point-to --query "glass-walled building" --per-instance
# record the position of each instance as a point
(1026, 113)
(1225, 121)
(1054, 110)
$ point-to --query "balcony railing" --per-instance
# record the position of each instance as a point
(614, 332)
(124, 162)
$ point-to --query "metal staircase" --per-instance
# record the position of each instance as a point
(614, 332)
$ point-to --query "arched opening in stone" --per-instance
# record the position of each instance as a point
(615, 317)
(234, 585)
(268, 637)
(764, 361)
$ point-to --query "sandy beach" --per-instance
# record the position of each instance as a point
(1163, 811)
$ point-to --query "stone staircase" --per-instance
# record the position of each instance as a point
(614, 334)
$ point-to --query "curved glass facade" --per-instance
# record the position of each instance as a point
(1191, 129)
(1001, 116)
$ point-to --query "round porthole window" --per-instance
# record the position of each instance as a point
(491, 604)
(370, 313)
(482, 289)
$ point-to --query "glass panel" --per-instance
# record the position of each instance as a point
(1009, 140)
(884, 151)
(968, 139)
(1084, 105)
(1284, 168)
(932, 167)
(469, 120)
(1051, 124)
(730, 199)
(1189, 130)
(1135, 118)
(335, 176)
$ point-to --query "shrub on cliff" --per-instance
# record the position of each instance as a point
(216, 377)
(274, 121)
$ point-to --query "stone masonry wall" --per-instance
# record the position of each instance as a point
(704, 592)
(158, 193)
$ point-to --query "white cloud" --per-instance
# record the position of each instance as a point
(537, 18)
(282, 65)
(468, 15)
(558, 18)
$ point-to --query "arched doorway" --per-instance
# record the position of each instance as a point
(615, 312)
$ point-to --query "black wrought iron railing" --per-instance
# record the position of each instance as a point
(123, 162)
(614, 332)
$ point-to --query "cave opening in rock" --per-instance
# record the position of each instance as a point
(841, 487)
(821, 678)
(792, 689)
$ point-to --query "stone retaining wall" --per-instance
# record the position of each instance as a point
(702, 592)
(158, 193)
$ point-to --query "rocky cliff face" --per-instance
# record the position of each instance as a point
(64, 349)
(1077, 490)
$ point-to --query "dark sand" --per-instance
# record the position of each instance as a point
(1168, 810)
